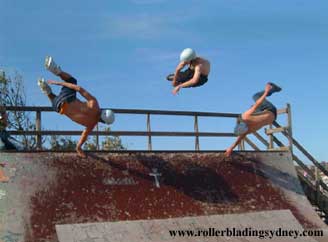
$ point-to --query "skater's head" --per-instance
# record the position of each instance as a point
(187, 55)
(107, 116)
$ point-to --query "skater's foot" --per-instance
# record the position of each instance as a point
(170, 77)
(274, 88)
(45, 88)
(52, 66)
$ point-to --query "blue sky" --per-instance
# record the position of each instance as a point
(121, 52)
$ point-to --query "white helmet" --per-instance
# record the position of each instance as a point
(187, 55)
(107, 116)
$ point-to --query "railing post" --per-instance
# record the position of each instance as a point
(38, 129)
(270, 138)
(97, 137)
(149, 130)
(196, 131)
(290, 132)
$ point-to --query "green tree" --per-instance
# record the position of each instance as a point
(112, 142)
(61, 143)
(12, 93)
(107, 143)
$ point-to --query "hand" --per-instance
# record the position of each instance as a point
(176, 90)
(80, 152)
(181, 65)
(228, 152)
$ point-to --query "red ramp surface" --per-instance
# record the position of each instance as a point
(49, 189)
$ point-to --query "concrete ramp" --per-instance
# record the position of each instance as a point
(246, 227)
(58, 189)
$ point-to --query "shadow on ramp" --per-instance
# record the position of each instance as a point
(49, 189)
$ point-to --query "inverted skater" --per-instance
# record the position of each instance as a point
(87, 114)
(260, 114)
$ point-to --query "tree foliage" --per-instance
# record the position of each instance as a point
(106, 143)
(12, 93)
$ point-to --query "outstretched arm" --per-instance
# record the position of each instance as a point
(237, 142)
(258, 102)
(83, 138)
(77, 88)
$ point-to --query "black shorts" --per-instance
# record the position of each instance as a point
(186, 75)
(66, 95)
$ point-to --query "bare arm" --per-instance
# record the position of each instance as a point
(193, 80)
(177, 70)
(83, 138)
(77, 88)
(189, 83)
(237, 142)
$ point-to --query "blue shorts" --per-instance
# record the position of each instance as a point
(66, 95)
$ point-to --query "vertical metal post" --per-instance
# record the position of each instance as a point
(290, 130)
(38, 129)
(242, 144)
(149, 130)
(97, 137)
(196, 133)
(270, 138)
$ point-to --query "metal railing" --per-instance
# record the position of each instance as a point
(39, 133)
(148, 132)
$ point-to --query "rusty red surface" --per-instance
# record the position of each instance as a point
(118, 186)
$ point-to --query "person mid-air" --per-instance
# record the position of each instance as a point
(194, 76)
(66, 102)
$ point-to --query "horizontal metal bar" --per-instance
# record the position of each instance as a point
(138, 111)
(283, 148)
(133, 111)
(123, 133)
(281, 111)
(275, 130)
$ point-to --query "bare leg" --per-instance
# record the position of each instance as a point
(265, 105)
